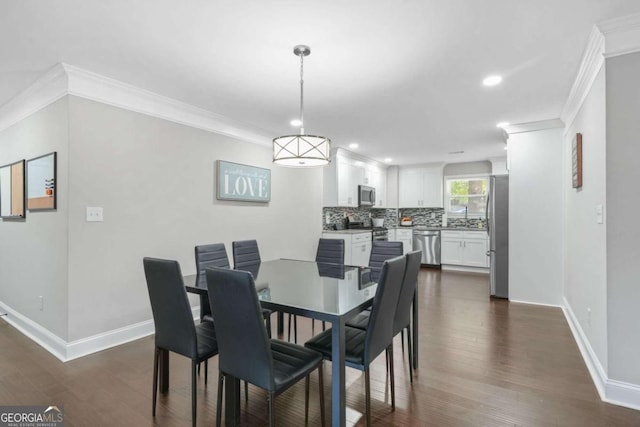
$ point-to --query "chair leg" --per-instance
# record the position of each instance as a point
(268, 322)
(219, 405)
(306, 399)
(367, 396)
(289, 328)
(321, 391)
(392, 379)
(324, 326)
(206, 371)
(155, 380)
(272, 415)
(402, 339)
(313, 326)
(246, 391)
(295, 329)
(410, 348)
(194, 394)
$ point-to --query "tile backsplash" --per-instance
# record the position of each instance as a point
(429, 217)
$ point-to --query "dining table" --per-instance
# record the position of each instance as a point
(327, 292)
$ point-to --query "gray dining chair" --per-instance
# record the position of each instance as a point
(330, 251)
(175, 329)
(246, 352)
(364, 346)
(382, 250)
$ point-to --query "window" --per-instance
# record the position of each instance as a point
(466, 196)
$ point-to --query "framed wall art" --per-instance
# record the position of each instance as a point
(576, 156)
(12, 190)
(41, 183)
(243, 183)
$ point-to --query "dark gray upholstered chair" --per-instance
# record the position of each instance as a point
(215, 255)
(246, 352)
(245, 253)
(402, 319)
(330, 251)
(381, 251)
(173, 320)
(363, 346)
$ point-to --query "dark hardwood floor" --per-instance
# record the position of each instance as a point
(482, 363)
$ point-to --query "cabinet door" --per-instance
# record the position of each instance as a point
(432, 187)
(349, 177)
(475, 253)
(410, 188)
(451, 251)
(360, 253)
(377, 179)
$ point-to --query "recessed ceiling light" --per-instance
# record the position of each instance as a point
(502, 125)
(296, 122)
(387, 160)
(492, 80)
(353, 145)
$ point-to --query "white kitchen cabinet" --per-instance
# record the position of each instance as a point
(464, 248)
(343, 175)
(402, 235)
(357, 246)
(420, 187)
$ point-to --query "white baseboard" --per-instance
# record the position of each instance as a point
(464, 269)
(66, 351)
(535, 303)
(611, 391)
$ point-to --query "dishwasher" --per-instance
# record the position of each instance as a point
(427, 241)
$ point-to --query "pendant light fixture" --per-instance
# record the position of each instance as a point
(301, 150)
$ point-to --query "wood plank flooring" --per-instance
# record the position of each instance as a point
(483, 362)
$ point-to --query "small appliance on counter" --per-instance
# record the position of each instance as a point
(378, 222)
(406, 221)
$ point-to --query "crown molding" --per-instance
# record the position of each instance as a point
(47, 89)
(64, 79)
(533, 126)
(592, 62)
(622, 35)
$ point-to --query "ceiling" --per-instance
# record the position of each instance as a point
(403, 78)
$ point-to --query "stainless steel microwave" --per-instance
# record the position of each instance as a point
(366, 196)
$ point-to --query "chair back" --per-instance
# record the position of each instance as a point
(403, 311)
(172, 317)
(381, 251)
(245, 253)
(330, 251)
(380, 328)
(213, 255)
(243, 345)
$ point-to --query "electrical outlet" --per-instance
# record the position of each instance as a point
(41, 303)
(327, 219)
(433, 215)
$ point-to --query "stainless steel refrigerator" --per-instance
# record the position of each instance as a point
(498, 229)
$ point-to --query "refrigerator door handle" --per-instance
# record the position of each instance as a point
(486, 214)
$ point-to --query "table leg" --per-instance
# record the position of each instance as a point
(231, 401)
(415, 329)
(164, 370)
(338, 381)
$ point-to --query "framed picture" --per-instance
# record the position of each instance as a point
(243, 183)
(576, 155)
(12, 190)
(41, 183)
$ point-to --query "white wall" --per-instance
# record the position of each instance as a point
(623, 205)
(155, 181)
(535, 216)
(33, 252)
(585, 280)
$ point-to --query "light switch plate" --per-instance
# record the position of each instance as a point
(599, 214)
(94, 214)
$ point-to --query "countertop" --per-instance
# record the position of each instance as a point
(349, 231)
(426, 228)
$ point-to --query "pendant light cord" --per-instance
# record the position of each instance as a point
(301, 94)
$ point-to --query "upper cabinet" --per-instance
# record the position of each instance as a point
(343, 175)
(420, 186)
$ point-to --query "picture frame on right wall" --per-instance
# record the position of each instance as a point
(41, 183)
(576, 165)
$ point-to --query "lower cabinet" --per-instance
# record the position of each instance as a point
(357, 246)
(402, 235)
(465, 248)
